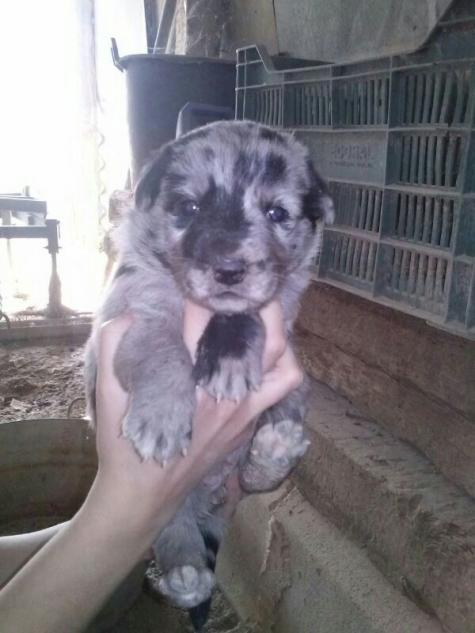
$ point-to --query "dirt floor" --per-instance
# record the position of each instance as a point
(150, 614)
(42, 381)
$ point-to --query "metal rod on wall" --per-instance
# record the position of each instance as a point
(166, 21)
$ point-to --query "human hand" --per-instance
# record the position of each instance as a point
(218, 428)
(69, 579)
(279, 365)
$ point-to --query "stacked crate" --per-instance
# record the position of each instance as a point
(395, 139)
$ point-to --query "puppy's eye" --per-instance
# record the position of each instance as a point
(277, 214)
(189, 207)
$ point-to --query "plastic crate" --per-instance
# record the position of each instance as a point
(395, 139)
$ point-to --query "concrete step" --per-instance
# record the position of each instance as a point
(287, 569)
(415, 380)
(416, 526)
(150, 614)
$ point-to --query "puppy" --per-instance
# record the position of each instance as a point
(229, 216)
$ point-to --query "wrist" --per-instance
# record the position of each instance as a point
(117, 509)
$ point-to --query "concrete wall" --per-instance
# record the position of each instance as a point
(340, 30)
(217, 27)
(414, 379)
(286, 569)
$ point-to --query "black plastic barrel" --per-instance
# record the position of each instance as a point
(158, 86)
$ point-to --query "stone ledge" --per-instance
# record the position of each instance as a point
(287, 568)
(443, 435)
(437, 363)
(415, 380)
(419, 528)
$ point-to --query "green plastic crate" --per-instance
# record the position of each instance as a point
(395, 139)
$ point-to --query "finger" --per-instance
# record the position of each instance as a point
(111, 397)
(286, 376)
(196, 319)
(110, 335)
(234, 494)
(276, 339)
(210, 412)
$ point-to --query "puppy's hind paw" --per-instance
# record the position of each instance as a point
(187, 586)
(282, 443)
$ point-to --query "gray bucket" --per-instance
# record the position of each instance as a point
(46, 470)
(158, 86)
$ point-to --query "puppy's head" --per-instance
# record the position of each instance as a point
(232, 209)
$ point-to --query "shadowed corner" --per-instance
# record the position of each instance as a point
(199, 615)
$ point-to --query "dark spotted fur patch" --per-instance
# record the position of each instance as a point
(124, 269)
(274, 169)
(161, 258)
(220, 225)
(226, 336)
(267, 134)
(209, 153)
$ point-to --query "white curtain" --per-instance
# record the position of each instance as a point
(62, 135)
(49, 140)
(49, 108)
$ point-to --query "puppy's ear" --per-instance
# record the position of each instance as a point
(150, 180)
(317, 202)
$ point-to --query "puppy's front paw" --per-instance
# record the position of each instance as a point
(187, 586)
(159, 427)
(229, 356)
(233, 378)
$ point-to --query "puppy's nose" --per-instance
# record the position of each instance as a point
(229, 271)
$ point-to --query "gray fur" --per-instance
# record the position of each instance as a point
(196, 211)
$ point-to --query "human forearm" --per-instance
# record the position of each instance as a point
(17, 549)
(66, 583)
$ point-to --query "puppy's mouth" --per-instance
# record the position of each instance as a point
(228, 301)
(225, 300)
(231, 292)
(232, 301)
(227, 294)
